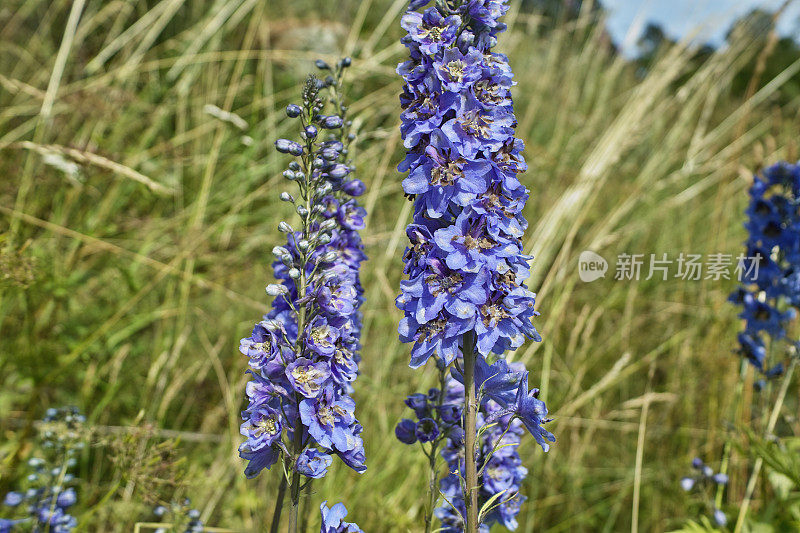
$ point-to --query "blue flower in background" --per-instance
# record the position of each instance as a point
(770, 289)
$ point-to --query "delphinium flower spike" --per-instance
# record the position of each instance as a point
(770, 290)
(304, 353)
(464, 301)
(770, 293)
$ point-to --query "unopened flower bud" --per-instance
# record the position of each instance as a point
(293, 110)
(284, 227)
(339, 171)
(294, 273)
(303, 245)
(322, 65)
(286, 197)
(310, 131)
(354, 187)
(329, 257)
(331, 122)
(328, 225)
(329, 154)
(285, 146)
(324, 189)
(276, 290)
(302, 210)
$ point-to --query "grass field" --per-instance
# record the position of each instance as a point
(127, 280)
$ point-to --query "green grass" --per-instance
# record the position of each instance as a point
(126, 287)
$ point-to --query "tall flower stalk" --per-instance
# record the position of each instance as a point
(464, 301)
(770, 294)
(304, 353)
(770, 290)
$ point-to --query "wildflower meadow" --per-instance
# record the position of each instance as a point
(398, 266)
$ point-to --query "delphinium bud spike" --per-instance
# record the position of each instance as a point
(304, 354)
(464, 301)
(47, 496)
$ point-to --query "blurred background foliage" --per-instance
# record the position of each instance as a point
(136, 229)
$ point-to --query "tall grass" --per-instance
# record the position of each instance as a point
(149, 263)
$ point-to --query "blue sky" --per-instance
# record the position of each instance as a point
(682, 17)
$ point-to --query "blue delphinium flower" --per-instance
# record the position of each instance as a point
(44, 502)
(333, 520)
(770, 293)
(465, 264)
(304, 353)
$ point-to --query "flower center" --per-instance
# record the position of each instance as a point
(432, 328)
(326, 416)
(320, 336)
(267, 425)
(307, 377)
(456, 69)
(478, 125)
(473, 243)
(434, 32)
(451, 284)
(488, 93)
(493, 313)
(446, 174)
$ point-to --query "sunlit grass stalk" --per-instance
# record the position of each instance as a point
(726, 452)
